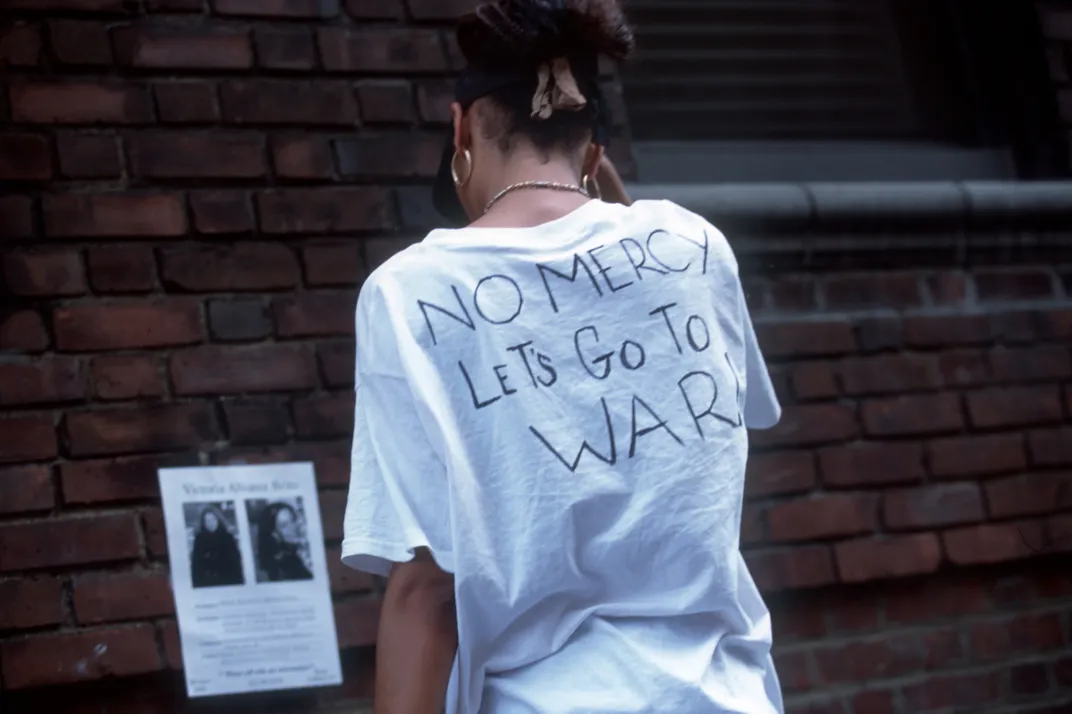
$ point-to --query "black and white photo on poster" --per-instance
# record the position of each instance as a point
(212, 544)
(278, 533)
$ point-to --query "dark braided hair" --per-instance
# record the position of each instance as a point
(525, 33)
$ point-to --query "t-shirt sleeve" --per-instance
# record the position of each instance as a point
(761, 407)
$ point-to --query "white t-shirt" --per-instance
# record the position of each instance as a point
(558, 414)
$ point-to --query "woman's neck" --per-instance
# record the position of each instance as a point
(527, 207)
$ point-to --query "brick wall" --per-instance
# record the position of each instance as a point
(193, 192)
(1056, 18)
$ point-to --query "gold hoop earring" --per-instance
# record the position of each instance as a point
(454, 172)
(594, 191)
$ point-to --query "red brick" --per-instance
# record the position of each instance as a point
(270, 101)
(79, 656)
(382, 50)
(22, 331)
(955, 690)
(932, 506)
(239, 320)
(109, 480)
(25, 157)
(121, 269)
(184, 155)
(958, 331)
(24, 489)
(889, 374)
(823, 517)
(108, 6)
(315, 315)
(1057, 324)
(127, 596)
(20, 45)
(964, 368)
(103, 215)
(16, 215)
(27, 439)
(385, 156)
(169, 635)
(88, 156)
(937, 599)
(333, 264)
(880, 334)
(297, 157)
(863, 660)
(336, 364)
(873, 290)
(912, 416)
(993, 543)
(155, 532)
(792, 667)
(387, 101)
(973, 456)
(182, 49)
(197, 6)
(236, 370)
(1030, 494)
(277, 8)
(81, 102)
(871, 465)
(942, 648)
(67, 541)
(44, 274)
(809, 425)
(1046, 363)
(1014, 406)
(287, 48)
(324, 210)
(332, 509)
(256, 422)
(30, 602)
(814, 380)
(896, 557)
(792, 568)
(227, 268)
(324, 416)
(80, 42)
(805, 339)
(126, 377)
(218, 212)
(143, 429)
(379, 250)
(43, 381)
(434, 97)
(440, 9)
(1059, 535)
(127, 326)
(948, 289)
(375, 9)
(187, 102)
(752, 524)
(1051, 447)
(358, 622)
(345, 580)
(780, 473)
(1008, 285)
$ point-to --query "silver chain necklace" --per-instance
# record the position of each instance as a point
(552, 185)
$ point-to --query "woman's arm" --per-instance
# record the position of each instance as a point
(610, 183)
(417, 640)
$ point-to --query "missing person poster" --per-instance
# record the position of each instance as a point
(250, 578)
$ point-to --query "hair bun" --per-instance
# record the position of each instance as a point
(533, 31)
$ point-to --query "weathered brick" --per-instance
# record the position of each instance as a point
(1008, 285)
(823, 517)
(169, 636)
(964, 367)
(187, 102)
(994, 543)
(864, 660)
(159, 48)
(31, 438)
(22, 331)
(285, 48)
(336, 363)
(333, 264)
(333, 509)
(386, 101)
(88, 156)
(889, 374)
(301, 157)
(805, 339)
(20, 45)
(809, 425)
(974, 456)
(325, 210)
(780, 473)
(908, 416)
(401, 155)
(127, 596)
(814, 380)
(896, 557)
(51, 543)
(93, 327)
(79, 102)
(375, 9)
(791, 568)
(933, 506)
(312, 103)
(958, 331)
(237, 267)
(121, 269)
(142, 429)
(1014, 406)
(58, 273)
(324, 416)
(382, 50)
(25, 157)
(1043, 363)
(379, 250)
(1030, 494)
(126, 377)
(16, 215)
(123, 479)
(44, 381)
(344, 579)
(315, 315)
(217, 212)
(434, 97)
(81, 656)
(103, 6)
(85, 215)
(359, 622)
(80, 42)
(237, 370)
(25, 489)
(277, 8)
(251, 423)
(871, 465)
(30, 602)
(152, 523)
(880, 334)
(238, 320)
(1051, 447)
(873, 290)
(955, 690)
(197, 155)
(948, 289)
(175, 5)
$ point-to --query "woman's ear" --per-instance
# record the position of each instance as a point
(592, 159)
(461, 129)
